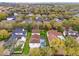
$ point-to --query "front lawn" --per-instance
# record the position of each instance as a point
(26, 46)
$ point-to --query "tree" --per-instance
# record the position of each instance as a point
(70, 42)
(71, 46)
(52, 22)
(4, 34)
(8, 25)
(57, 46)
(29, 27)
(46, 26)
(3, 16)
(58, 43)
(58, 26)
(46, 51)
(76, 27)
(66, 23)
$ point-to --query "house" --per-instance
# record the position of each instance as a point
(77, 15)
(37, 16)
(59, 19)
(35, 32)
(35, 39)
(53, 34)
(38, 19)
(30, 14)
(42, 42)
(17, 39)
(11, 18)
(46, 20)
(20, 35)
(3, 9)
(15, 14)
(70, 32)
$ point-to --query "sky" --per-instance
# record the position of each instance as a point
(38, 1)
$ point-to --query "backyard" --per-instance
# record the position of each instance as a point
(26, 46)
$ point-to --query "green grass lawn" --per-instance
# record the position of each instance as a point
(43, 33)
(26, 46)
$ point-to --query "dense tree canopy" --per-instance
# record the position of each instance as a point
(4, 34)
(3, 16)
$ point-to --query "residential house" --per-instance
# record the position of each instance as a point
(60, 19)
(46, 20)
(70, 32)
(57, 20)
(3, 9)
(42, 42)
(20, 35)
(15, 14)
(30, 14)
(77, 15)
(35, 39)
(11, 18)
(53, 34)
(38, 19)
(17, 39)
(35, 32)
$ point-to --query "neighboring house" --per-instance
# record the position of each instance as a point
(46, 20)
(15, 14)
(18, 38)
(53, 34)
(70, 32)
(77, 15)
(39, 20)
(38, 16)
(11, 18)
(20, 35)
(42, 42)
(35, 39)
(35, 32)
(3, 9)
(30, 14)
(59, 19)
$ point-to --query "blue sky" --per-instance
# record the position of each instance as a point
(34, 1)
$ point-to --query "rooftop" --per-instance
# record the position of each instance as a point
(53, 34)
(35, 31)
(35, 38)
